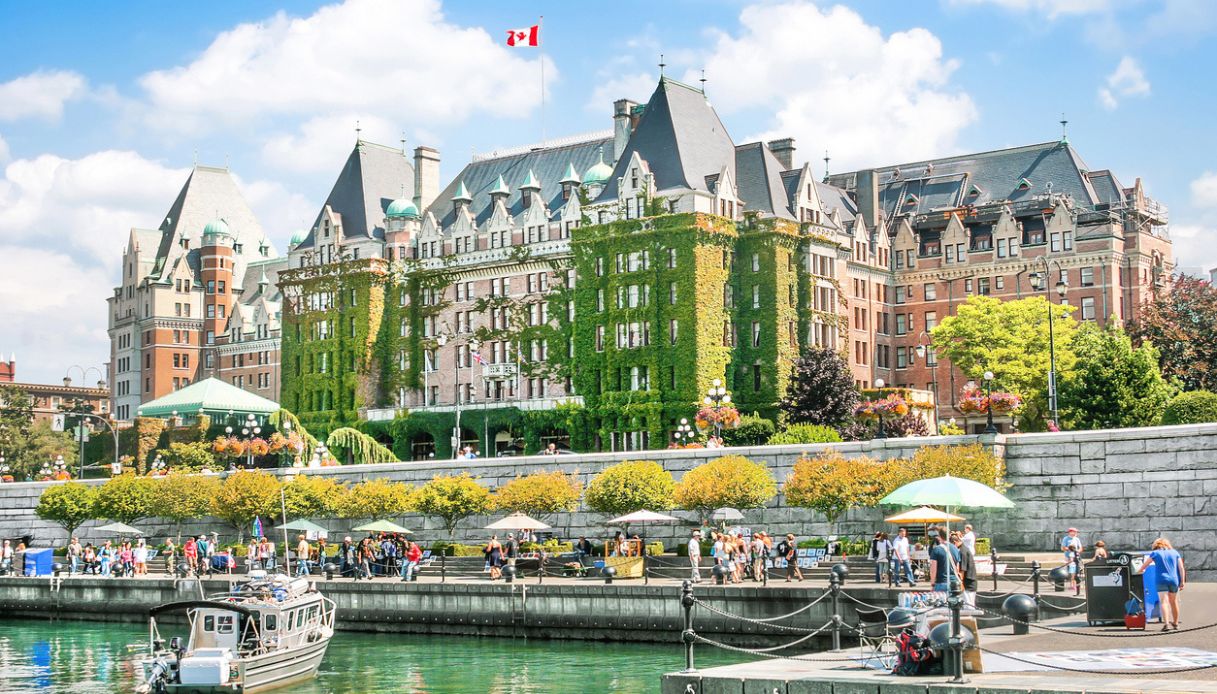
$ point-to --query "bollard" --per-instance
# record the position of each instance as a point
(955, 602)
(993, 563)
(509, 573)
(443, 566)
(329, 571)
(1077, 573)
(686, 602)
(1035, 585)
(541, 570)
(834, 587)
(1019, 609)
(720, 574)
(646, 577)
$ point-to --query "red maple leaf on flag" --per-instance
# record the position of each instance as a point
(519, 38)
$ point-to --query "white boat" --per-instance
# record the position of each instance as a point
(268, 632)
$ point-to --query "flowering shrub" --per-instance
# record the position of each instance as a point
(974, 401)
(725, 416)
(259, 446)
(1004, 403)
(893, 405)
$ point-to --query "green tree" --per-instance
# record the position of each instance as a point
(67, 505)
(126, 498)
(1009, 338)
(540, 494)
(753, 430)
(1194, 407)
(732, 481)
(1182, 324)
(376, 499)
(821, 391)
(16, 419)
(179, 497)
(188, 457)
(452, 499)
(832, 484)
(1112, 384)
(633, 485)
(312, 496)
(245, 495)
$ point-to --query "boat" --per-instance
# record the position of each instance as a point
(268, 631)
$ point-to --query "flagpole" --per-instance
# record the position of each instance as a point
(540, 27)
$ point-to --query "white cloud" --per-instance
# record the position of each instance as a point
(321, 144)
(1050, 8)
(1204, 191)
(3, 151)
(400, 59)
(637, 86)
(39, 95)
(1128, 79)
(282, 212)
(835, 82)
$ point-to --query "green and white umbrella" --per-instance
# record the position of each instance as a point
(949, 492)
(305, 526)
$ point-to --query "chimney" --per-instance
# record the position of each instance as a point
(623, 125)
(867, 195)
(783, 149)
(426, 177)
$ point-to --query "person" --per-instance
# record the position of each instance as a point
(89, 558)
(742, 557)
(943, 557)
(140, 555)
(551, 449)
(414, 554)
(881, 554)
(966, 569)
(204, 548)
(494, 557)
(190, 551)
(170, 555)
(713, 442)
(267, 550)
(347, 559)
(6, 558)
(1071, 547)
(104, 557)
(583, 547)
(320, 553)
(788, 551)
(74, 551)
(303, 550)
(367, 554)
(969, 538)
(126, 559)
(1100, 550)
(388, 547)
(757, 550)
(511, 549)
(1171, 579)
(694, 552)
(902, 558)
(251, 555)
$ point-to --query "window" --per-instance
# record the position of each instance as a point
(600, 300)
(930, 290)
(600, 266)
(900, 295)
(1067, 240)
(982, 286)
(756, 296)
(1055, 242)
(673, 330)
(1001, 247)
(756, 333)
(999, 282)
(901, 324)
(211, 286)
(902, 357)
(967, 285)
(1087, 277)
(672, 293)
(756, 262)
(931, 320)
(1088, 308)
(671, 258)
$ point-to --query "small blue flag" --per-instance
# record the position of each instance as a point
(257, 527)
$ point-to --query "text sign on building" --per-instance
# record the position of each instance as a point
(505, 370)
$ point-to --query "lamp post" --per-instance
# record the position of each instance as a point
(4, 468)
(1042, 281)
(925, 350)
(879, 383)
(80, 435)
(715, 398)
(989, 427)
(158, 466)
(472, 344)
(684, 432)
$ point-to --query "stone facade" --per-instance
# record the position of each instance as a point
(1122, 486)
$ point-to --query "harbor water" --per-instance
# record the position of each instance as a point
(96, 657)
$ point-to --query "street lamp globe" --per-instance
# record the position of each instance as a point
(879, 383)
(1061, 287)
(227, 430)
(726, 398)
(717, 382)
(988, 375)
(707, 400)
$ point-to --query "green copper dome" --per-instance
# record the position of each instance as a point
(402, 208)
(599, 173)
(216, 227)
(298, 238)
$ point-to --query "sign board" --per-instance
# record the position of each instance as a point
(80, 433)
(57, 422)
(502, 370)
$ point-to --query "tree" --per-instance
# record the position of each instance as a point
(126, 498)
(805, 433)
(1195, 407)
(633, 485)
(188, 457)
(832, 484)
(375, 499)
(16, 418)
(1009, 338)
(1182, 324)
(452, 499)
(245, 495)
(972, 461)
(179, 497)
(753, 430)
(312, 496)
(821, 390)
(1112, 384)
(911, 424)
(357, 447)
(731, 480)
(540, 494)
(67, 505)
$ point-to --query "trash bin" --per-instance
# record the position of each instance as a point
(1109, 585)
(39, 562)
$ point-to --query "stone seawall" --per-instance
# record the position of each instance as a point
(1124, 486)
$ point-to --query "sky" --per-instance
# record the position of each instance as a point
(104, 107)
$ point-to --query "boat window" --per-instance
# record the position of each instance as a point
(209, 623)
(312, 613)
(271, 622)
(225, 623)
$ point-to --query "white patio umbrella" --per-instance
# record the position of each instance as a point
(517, 521)
(119, 529)
(643, 516)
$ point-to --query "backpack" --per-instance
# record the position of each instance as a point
(914, 656)
(783, 548)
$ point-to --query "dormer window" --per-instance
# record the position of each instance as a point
(1024, 184)
(634, 178)
(325, 228)
(185, 242)
(527, 199)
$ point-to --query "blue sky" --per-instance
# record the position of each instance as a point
(103, 106)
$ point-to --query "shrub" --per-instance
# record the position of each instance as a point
(656, 548)
(805, 433)
(377, 498)
(245, 495)
(632, 485)
(181, 497)
(67, 505)
(1192, 407)
(731, 480)
(972, 461)
(452, 499)
(753, 430)
(125, 498)
(312, 496)
(821, 389)
(832, 484)
(540, 494)
(188, 457)
(857, 431)
(910, 424)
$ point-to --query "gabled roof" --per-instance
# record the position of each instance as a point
(210, 395)
(947, 182)
(1106, 186)
(372, 177)
(758, 176)
(208, 193)
(681, 138)
(547, 164)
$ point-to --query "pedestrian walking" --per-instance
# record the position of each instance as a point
(966, 569)
(303, 551)
(105, 557)
(511, 549)
(1071, 547)
(1171, 579)
(695, 557)
(74, 552)
(190, 551)
(790, 552)
(494, 557)
(413, 555)
(757, 552)
(902, 556)
(881, 555)
(367, 554)
(348, 557)
(170, 555)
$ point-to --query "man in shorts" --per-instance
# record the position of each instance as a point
(790, 553)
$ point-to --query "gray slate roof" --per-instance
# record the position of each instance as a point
(996, 174)
(372, 177)
(759, 180)
(680, 137)
(548, 163)
(1107, 187)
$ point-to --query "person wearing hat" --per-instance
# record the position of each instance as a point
(788, 551)
(1071, 547)
(695, 557)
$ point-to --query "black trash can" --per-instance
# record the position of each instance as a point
(1109, 585)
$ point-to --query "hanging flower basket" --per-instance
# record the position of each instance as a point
(277, 443)
(893, 406)
(1005, 403)
(235, 447)
(258, 447)
(725, 416)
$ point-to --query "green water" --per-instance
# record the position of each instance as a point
(92, 657)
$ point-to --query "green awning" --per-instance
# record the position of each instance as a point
(212, 396)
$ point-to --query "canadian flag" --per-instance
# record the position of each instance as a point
(518, 38)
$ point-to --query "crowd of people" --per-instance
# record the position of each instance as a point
(743, 556)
